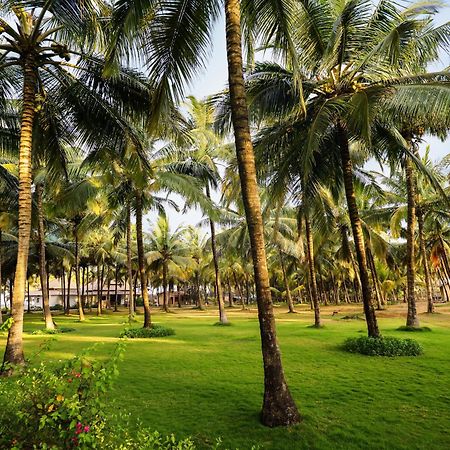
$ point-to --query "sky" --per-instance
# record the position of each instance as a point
(214, 79)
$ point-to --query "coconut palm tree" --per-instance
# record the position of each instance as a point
(174, 58)
(36, 50)
(352, 72)
(167, 253)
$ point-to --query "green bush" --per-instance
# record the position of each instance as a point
(63, 407)
(54, 331)
(152, 332)
(385, 346)
(57, 407)
(413, 329)
(56, 308)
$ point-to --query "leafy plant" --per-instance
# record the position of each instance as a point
(57, 407)
(6, 325)
(152, 332)
(413, 329)
(384, 346)
(53, 331)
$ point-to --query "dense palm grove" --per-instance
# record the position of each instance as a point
(277, 163)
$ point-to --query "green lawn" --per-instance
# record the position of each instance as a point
(206, 381)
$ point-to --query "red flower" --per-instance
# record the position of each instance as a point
(86, 429)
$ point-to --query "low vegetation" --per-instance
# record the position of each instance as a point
(154, 331)
(383, 346)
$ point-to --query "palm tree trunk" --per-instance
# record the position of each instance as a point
(77, 276)
(290, 302)
(412, 319)
(129, 265)
(1, 278)
(347, 169)
(278, 406)
(63, 287)
(99, 291)
(14, 346)
(49, 324)
(219, 289)
(373, 272)
(83, 281)
(199, 299)
(69, 280)
(312, 272)
(142, 274)
(165, 293)
(426, 267)
(116, 280)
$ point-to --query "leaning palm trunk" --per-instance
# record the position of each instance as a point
(49, 324)
(77, 275)
(347, 169)
(142, 274)
(412, 319)
(426, 267)
(14, 346)
(129, 266)
(312, 272)
(218, 282)
(278, 406)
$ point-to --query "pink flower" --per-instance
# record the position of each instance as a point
(78, 375)
(86, 429)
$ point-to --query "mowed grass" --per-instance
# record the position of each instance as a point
(207, 381)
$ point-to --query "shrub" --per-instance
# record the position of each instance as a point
(62, 407)
(56, 308)
(406, 328)
(56, 407)
(153, 332)
(386, 346)
(53, 331)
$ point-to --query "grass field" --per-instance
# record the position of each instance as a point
(206, 381)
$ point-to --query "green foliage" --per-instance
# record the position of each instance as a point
(59, 406)
(385, 346)
(413, 329)
(153, 332)
(54, 331)
(352, 317)
(119, 437)
(6, 325)
(56, 308)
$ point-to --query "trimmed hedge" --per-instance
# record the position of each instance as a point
(384, 346)
(154, 331)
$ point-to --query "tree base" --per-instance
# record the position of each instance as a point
(280, 411)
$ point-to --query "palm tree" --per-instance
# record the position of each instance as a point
(173, 59)
(349, 80)
(33, 55)
(168, 253)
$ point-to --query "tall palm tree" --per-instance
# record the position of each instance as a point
(168, 253)
(37, 50)
(173, 59)
(353, 72)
